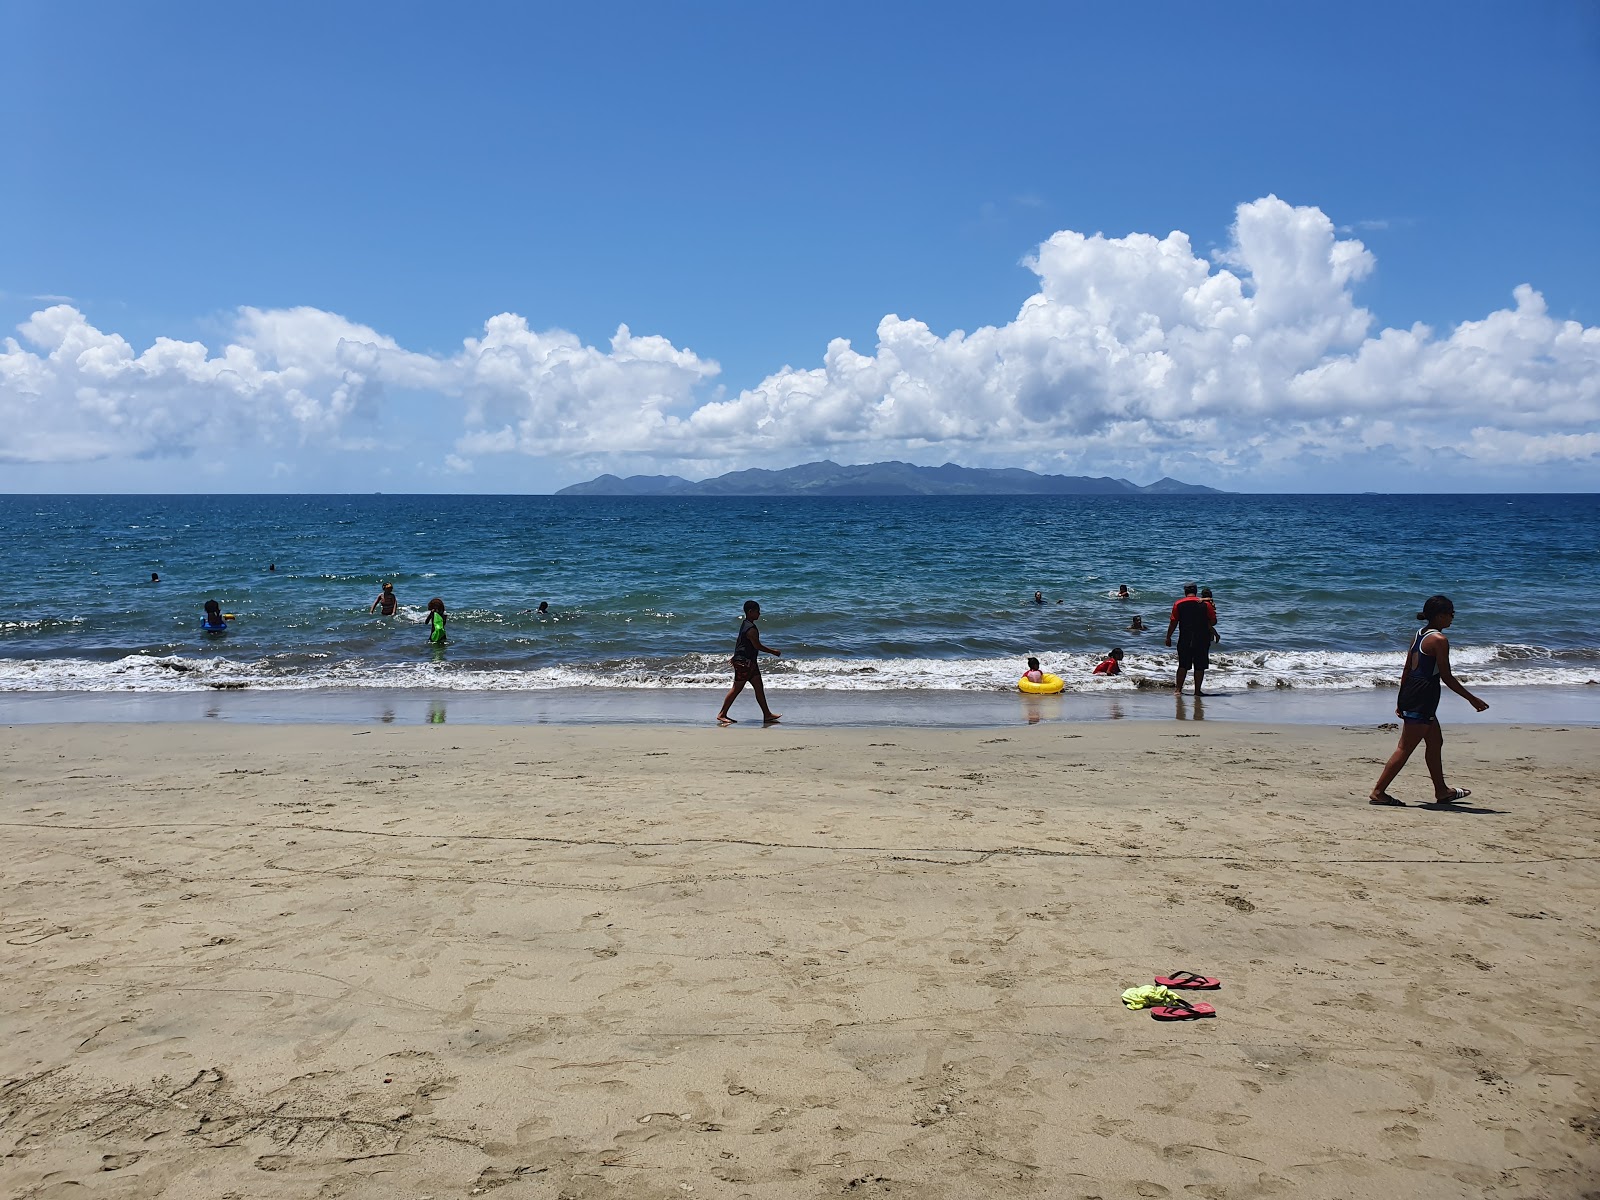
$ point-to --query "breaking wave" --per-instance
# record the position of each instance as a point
(1478, 666)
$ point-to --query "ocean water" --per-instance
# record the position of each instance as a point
(861, 594)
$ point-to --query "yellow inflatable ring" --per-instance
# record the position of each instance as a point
(1047, 686)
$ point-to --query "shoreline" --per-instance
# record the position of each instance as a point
(693, 707)
(637, 961)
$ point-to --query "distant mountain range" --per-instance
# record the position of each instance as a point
(881, 479)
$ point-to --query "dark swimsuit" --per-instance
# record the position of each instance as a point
(745, 664)
(1420, 687)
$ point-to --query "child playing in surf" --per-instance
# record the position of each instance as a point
(1112, 664)
(436, 622)
(214, 621)
(747, 667)
(1427, 667)
(1033, 674)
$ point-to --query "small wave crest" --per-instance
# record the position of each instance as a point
(1479, 666)
(40, 625)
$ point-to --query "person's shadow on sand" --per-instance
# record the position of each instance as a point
(1458, 807)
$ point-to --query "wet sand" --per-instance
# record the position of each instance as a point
(635, 961)
(868, 707)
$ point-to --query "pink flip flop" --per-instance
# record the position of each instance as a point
(1182, 1011)
(1188, 979)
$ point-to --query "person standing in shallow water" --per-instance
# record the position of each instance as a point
(1196, 632)
(1427, 668)
(747, 667)
(436, 622)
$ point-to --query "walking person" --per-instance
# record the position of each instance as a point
(1196, 631)
(747, 667)
(1427, 668)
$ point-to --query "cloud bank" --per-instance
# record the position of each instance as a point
(1134, 356)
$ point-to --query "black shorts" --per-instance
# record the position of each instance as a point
(744, 670)
(1194, 656)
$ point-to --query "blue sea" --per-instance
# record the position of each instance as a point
(861, 594)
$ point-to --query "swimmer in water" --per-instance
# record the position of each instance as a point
(386, 600)
(1122, 592)
(1137, 625)
(1112, 664)
(1038, 597)
(213, 621)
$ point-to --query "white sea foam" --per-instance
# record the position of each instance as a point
(43, 623)
(1479, 666)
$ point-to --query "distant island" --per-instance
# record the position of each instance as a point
(882, 479)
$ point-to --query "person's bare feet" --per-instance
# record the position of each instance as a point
(725, 719)
(771, 717)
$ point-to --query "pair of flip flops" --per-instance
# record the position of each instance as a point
(1183, 1010)
(1455, 797)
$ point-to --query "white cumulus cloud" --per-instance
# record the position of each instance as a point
(1135, 355)
(1138, 352)
(78, 394)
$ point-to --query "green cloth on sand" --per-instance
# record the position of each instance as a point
(1149, 996)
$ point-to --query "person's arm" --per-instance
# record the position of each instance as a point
(755, 636)
(375, 604)
(1441, 655)
(1172, 624)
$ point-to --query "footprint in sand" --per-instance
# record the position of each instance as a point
(1401, 1135)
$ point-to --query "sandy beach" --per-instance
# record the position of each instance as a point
(641, 961)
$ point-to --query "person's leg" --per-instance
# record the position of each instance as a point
(1433, 755)
(727, 701)
(1199, 676)
(1410, 735)
(1185, 661)
(761, 698)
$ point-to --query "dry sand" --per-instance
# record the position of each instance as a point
(643, 962)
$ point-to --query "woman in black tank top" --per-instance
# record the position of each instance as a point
(747, 667)
(1427, 668)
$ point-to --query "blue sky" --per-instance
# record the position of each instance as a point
(322, 203)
